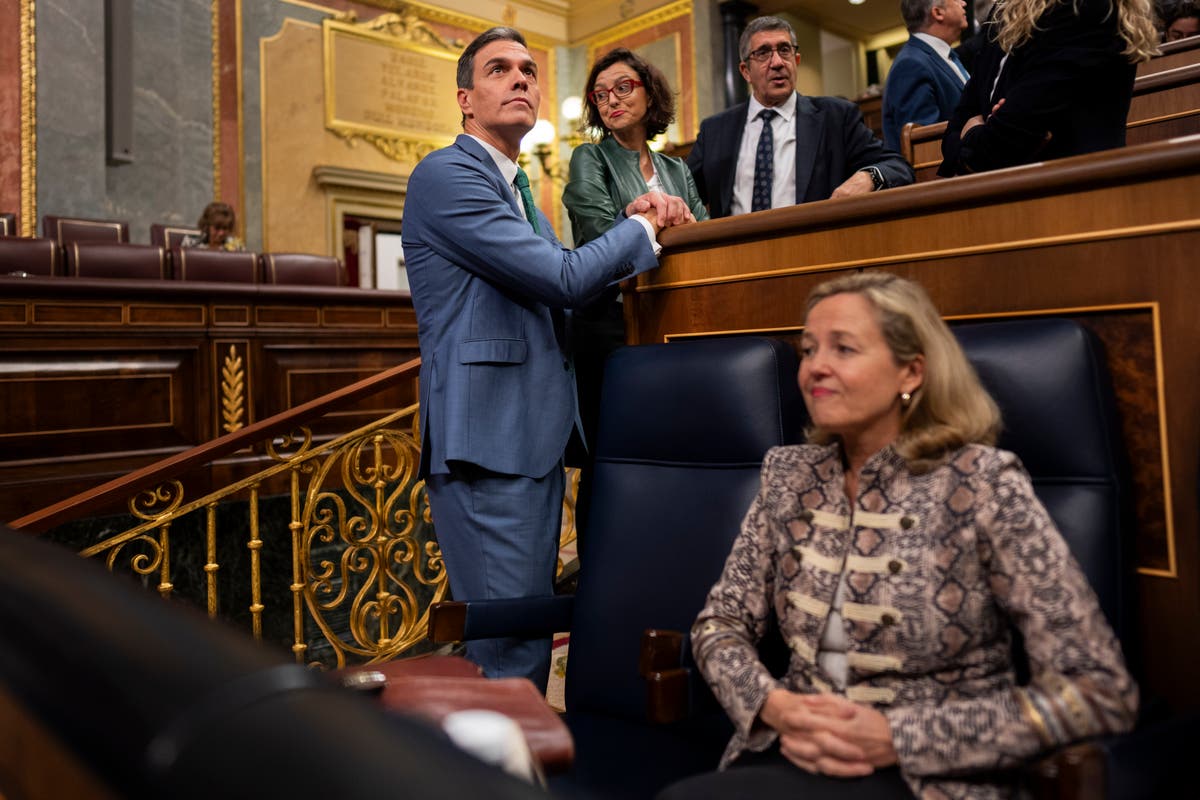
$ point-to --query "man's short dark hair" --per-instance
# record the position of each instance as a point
(916, 12)
(466, 61)
(758, 25)
(660, 103)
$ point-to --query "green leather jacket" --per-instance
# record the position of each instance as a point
(605, 177)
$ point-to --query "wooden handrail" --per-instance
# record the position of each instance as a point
(178, 464)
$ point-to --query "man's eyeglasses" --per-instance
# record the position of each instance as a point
(785, 50)
(622, 89)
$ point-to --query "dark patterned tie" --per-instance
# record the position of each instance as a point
(764, 163)
(527, 199)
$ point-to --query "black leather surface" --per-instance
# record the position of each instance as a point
(161, 702)
(1051, 382)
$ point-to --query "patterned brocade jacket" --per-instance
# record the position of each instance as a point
(938, 564)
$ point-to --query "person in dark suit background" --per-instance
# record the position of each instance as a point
(1053, 79)
(809, 148)
(926, 79)
(489, 282)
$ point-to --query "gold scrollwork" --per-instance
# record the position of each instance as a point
(233, 391)
(291, 445)
(394, 147)
(143, 563)
(405, 24)
(157, 502)
(362, 547)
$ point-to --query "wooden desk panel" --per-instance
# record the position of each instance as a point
(1110, 238)
(98, 378)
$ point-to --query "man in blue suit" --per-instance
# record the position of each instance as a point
(782, 148)
(927, 78)
(490, 282)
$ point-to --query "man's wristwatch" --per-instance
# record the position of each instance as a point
(877, 181)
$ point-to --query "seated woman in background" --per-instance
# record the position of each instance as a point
(898, 550)
(1054, 78)
(1178, 19)
(628, 104)
(216, 229)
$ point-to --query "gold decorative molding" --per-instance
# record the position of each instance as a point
(233, 391)
(406, 151)
(639, 23)
(28, 17)
(407, 26)
(390, 120)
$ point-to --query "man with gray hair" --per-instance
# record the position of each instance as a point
(927, 78)
(782, 148)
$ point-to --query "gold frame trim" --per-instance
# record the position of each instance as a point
(28, 58)
(929, 255)
(396, 144)
(171, 421)
(1163, 118)
(1172, 570)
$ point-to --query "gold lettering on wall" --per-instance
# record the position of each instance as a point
(387, 83)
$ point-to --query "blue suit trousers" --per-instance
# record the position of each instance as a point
(499, 536)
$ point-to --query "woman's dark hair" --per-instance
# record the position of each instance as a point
(660, 103)
(220, 214)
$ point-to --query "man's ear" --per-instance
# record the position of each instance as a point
(464, 102)
(938, 13)
(742, 68)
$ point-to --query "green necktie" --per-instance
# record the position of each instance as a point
(527, 199)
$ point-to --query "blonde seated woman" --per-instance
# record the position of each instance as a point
(898, 549)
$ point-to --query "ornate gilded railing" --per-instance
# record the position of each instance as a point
(358, 547)
(344, 522)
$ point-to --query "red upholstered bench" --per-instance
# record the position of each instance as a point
(436, 686)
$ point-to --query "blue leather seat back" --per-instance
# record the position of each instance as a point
(682, 433)
(1050, 379)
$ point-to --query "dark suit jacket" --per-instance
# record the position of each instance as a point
(921, 87)
(1068, 80)
(832, 143)
(496, 389)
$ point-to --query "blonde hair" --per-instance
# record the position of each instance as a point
(1135, 22)
(950, 408)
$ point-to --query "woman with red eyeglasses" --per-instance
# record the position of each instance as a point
(628, 103)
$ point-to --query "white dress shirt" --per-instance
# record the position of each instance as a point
(783, 179)
(942, 48)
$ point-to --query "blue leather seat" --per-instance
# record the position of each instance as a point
(683, 429)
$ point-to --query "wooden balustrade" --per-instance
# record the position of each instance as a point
(103, 377)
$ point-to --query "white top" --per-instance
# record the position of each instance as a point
(783, 179)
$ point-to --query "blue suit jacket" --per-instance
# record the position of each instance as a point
(495, 388)
(832, 143)
(921, 87)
